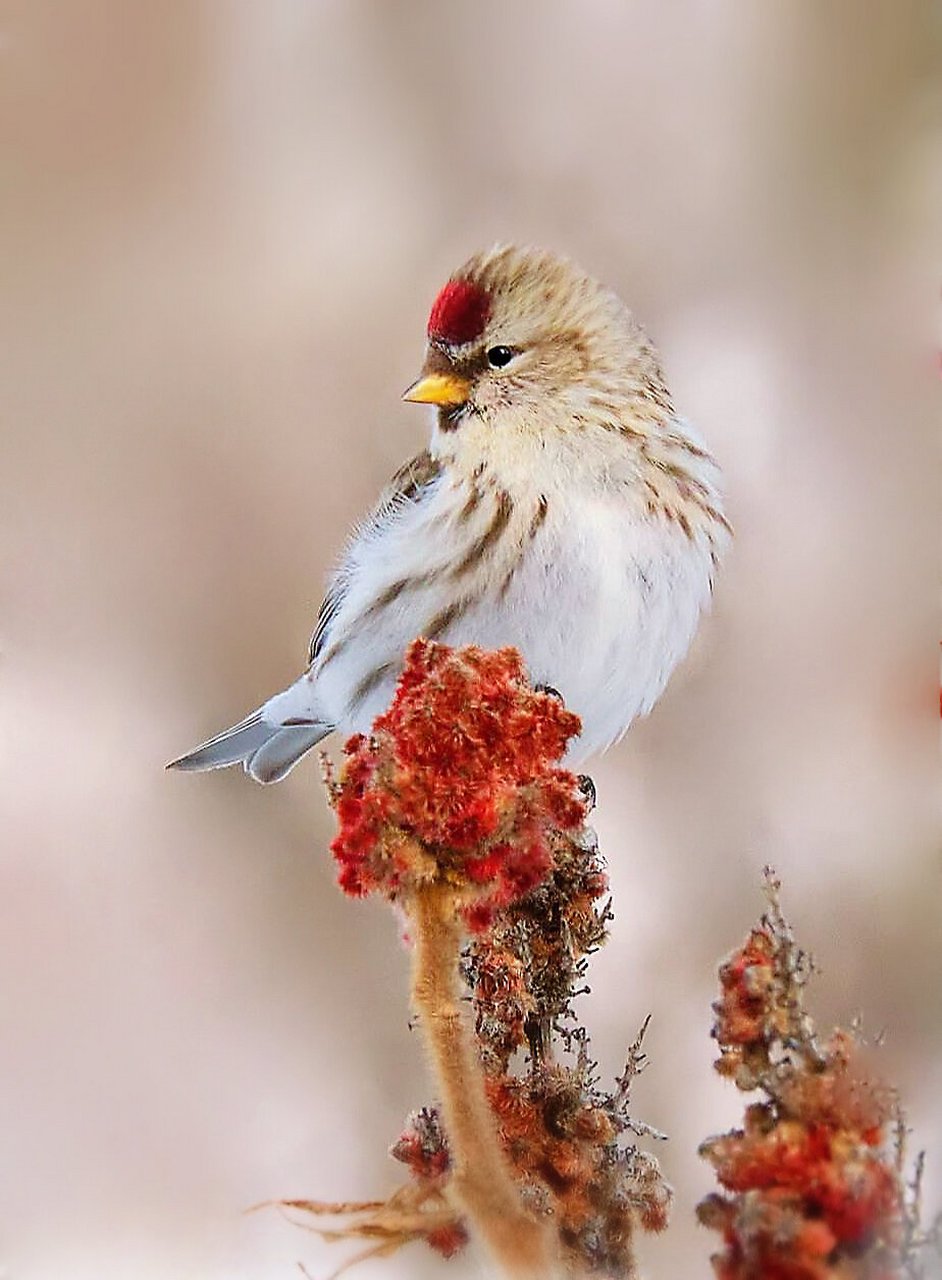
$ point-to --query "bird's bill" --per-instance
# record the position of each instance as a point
(444, 389)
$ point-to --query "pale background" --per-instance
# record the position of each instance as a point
(222, 227)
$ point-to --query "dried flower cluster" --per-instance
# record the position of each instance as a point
(455, 808)
(562, 1134)
(458, 779)
(560, 1128)
(811, 1190)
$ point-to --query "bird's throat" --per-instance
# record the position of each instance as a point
(451, 419)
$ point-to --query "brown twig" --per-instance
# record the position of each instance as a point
(480, 1180)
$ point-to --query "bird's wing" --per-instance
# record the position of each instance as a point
(407, 485)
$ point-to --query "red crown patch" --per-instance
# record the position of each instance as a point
(459, 313)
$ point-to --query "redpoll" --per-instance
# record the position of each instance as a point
(561, 507)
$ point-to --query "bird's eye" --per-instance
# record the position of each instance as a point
(497, 357)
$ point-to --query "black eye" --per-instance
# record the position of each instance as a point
(497, 357)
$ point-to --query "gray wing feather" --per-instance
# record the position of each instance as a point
(283, 750)
(228, 747)
(268, 751)
(407, 485)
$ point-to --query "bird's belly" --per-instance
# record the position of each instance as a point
(602, 605)
(603, 611)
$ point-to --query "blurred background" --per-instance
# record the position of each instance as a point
(222, 228)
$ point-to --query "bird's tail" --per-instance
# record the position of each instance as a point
(267, 751)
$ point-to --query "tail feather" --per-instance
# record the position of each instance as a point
(283, 750)
(267, 751)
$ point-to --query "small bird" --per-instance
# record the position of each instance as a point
(561, 506)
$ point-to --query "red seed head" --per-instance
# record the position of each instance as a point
(459, 313)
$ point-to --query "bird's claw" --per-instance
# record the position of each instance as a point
(587, 789)
(550, 692)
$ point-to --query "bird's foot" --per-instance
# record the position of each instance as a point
(550, 692)
(587, 789)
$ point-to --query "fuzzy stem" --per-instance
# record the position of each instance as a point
(480, 1179)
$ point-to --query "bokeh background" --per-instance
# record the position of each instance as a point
(222, 226)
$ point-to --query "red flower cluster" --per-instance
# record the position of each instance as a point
(457, 780)
(455, 805)
(564, 1137)
(562, 1144)
(811, 1202)
(422, 1148)
(745, 1014)
(811, 1192)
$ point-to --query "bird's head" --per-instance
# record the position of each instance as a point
(520, 337)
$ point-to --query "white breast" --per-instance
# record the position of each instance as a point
(600, 597)
(603, 609)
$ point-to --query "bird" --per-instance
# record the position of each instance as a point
(561, 506)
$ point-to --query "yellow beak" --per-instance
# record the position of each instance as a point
(442, 389)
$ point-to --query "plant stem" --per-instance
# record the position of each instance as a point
(480, 1179)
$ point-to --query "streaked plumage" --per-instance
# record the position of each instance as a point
(561, 507)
